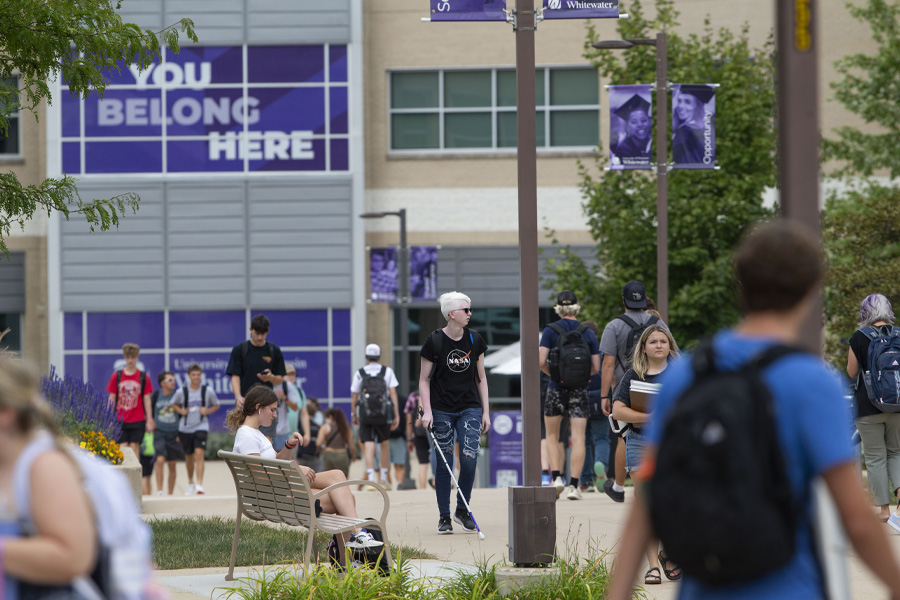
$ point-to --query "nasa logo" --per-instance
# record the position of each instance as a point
(458, 361)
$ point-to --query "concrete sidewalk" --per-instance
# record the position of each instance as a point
(593, 523)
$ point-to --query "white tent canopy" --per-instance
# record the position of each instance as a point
(506, 360)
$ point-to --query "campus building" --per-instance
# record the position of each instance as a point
(254, 152)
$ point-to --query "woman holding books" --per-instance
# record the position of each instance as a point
(652, 354)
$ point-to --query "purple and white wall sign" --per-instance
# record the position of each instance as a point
(215, 109)
(506, 449)
(581, 9)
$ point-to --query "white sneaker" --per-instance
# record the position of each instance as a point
(159, 492)
(573, 493)
(191, 490)
(363, 539)
(199, 489)
(560, 485)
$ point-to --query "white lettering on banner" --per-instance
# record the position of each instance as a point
(187, 111)
(173, 75)
(443, 6)
(262, 145)
(588, 5)
(707, 137)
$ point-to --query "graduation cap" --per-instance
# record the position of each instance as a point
(632, 104)
(703, 93)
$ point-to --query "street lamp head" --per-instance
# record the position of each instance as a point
(612, 45)
(375, 215)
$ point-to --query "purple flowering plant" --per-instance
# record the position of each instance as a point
(78, 407)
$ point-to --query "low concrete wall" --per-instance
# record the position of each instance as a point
(131, 468)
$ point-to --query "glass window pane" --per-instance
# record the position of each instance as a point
(506, 130)
(414, 90)
(467, 130)
(467, 89)
(506, 88)
(574, 128)
(415, 131)
(9, 144)
(574, 86)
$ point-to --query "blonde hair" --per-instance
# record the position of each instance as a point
(290, 368)
(451, 301)
(256, 398)
(569, 310)
(20, 391)
(640, 363)
(129, 350)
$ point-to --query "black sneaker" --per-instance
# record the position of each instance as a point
(463, 518)
(444, 525)
(608, 488)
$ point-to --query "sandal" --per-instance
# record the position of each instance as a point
(650, 578)
(673, 574)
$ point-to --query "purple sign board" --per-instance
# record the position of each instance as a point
(468, 10)
(630, 127)
(203, 110)
(581, 9)
(506, 449)
(694, 126)
(383, 273)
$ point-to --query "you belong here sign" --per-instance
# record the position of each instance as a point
(215, 109)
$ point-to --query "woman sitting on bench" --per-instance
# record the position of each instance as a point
(260, 408)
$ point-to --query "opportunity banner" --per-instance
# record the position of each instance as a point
(694, 126)
(630, 126)
(468, 10)
(384, 274)
(581, 9)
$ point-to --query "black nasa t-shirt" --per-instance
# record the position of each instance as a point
(453, 386)
(257, 360)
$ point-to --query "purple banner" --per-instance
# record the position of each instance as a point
(384, 274)
(694, 126)
(581, 9)
(505, 446)
(468, 10)
(423, 273)
(630, 126)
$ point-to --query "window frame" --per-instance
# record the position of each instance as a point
(14, 120)
(495, 149)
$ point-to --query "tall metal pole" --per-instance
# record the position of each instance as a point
(797, 87)
(404, 309)
(662, 179)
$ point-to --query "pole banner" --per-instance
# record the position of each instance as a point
(694, 126)
(581, 9)
(468, 10)
(423, 262)
(383, 275)
(630, 124)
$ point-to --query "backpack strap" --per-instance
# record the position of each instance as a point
(472, 339)
(870, 332)
(382, 372)
(704, 357)
(629, 321)
(284, 385)
(245, 349)
(118, 381)
(153, 398)
(436, 343)
(184, 397)
(580, 329)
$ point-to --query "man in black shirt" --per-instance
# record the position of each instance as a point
(255, 361)
(454, 395)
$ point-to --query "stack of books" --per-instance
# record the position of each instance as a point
(641, 392)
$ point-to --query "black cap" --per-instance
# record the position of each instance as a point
(635, 295)
(566, 298)
(703, 93)
(632, 104)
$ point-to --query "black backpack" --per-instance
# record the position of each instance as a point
(634, 336)
(570, 359)
(720, 499)
(374, 558)
(375, 406)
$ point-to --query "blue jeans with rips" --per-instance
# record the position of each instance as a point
(467, 427)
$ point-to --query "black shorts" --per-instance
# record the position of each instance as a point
(166, 445)
(374, 433)
(132, 433)
(567, 403)
(193, 441)
(146, 465)
(423, 449)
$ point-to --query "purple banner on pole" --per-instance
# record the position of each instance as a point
(505, 446)
(581, 9)
(423, 272)
(468, 10)
(694, 126)
(630, 125)
(383, 275)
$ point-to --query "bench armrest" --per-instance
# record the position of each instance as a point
(374, 484)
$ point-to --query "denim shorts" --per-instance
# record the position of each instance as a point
(635, 445)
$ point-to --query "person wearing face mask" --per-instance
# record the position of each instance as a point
(634, 148)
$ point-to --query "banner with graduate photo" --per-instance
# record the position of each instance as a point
(468, 10)
(581, 9)
(384, 274)
(694, 126)
(630, 127)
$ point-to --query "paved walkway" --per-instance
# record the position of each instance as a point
(592, 524)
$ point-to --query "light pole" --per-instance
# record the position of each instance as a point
(662, 161)
(403, 301)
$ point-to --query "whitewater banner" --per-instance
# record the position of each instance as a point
(581, 9)
(630, 124)
(468, 10)
(694, 126)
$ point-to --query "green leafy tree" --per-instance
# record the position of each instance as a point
(708, 210)
(81, 41)
(861, 229)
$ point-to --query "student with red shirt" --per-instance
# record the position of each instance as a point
(125, 390)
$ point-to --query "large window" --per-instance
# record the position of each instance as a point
(10, 144)
(476, 109)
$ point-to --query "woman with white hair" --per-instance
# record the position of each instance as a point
(880, 432)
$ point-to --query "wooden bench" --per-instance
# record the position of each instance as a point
(277, 491)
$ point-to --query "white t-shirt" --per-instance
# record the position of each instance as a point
(251, 441)
(283, 427)
(373, 368)
(194, 421)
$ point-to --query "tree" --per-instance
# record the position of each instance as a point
(79, 40)
(708, 210)
(868, 86)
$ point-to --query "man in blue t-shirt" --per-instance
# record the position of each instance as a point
(779, 268)
(568, 402)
